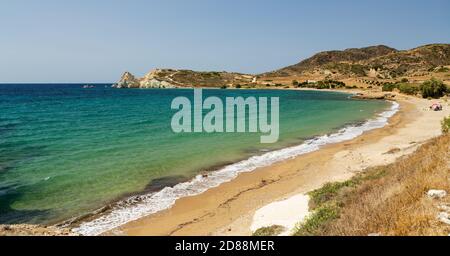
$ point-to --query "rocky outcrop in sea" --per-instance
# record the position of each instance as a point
(128, 80)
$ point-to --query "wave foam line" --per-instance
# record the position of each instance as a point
(143, 205)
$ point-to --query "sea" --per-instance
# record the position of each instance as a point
(95, 157)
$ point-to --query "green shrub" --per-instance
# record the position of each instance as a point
(389, 87)
(409, 89)
(358, 70)
(328, 84)
(445, 124)
(328, 192)
(269, 231)
(442, 69)
(295, 83)
(378, 67)
(322, 85)
(433, 88)
(303, 84)
(317, 219)
(404, 80)
(238, 86)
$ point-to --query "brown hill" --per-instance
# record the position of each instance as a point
(382, 60)
(375, 61)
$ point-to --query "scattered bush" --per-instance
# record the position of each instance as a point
(324, 84)
(389, 87)
(329, 84)
(445, 125)
(378, 67)
(328, 192)
(409, 89)
(303, 84)
(433, 88)
(358, 70)
(442, 69)
(295, 83)
(318, 218)
(269, 231)
(388, 200)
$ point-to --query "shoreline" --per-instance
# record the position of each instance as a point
(153, 204)
(229, 208)
(142, 205)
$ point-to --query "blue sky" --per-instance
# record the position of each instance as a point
(97, 40)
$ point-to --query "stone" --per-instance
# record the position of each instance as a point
(127, 81)
(437, 194)
(444, 218)
(444, 208)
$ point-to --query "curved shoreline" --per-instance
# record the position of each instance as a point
(142, 206)
(229, 209)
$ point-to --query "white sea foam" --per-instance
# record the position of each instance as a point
(143, 205)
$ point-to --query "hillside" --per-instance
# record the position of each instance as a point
(381, 61)
(406, 198)
(376, 62)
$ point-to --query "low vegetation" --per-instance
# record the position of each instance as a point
(274, 230)
(324, 84)
(321, 216)
(387, 200)
(389, 87)
(445, 124)
(441, 69)
(410, 89)
(433, 88)
(429, 89)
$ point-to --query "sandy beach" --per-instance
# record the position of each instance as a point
(230, 208)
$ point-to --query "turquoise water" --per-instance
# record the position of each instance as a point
(66, 151)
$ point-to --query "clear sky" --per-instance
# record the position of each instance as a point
(97, 40)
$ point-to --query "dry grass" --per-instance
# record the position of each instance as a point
(389, 200)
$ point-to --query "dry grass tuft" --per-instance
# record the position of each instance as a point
(389, 200)
(274, 230)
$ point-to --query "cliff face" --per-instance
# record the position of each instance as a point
(171, 78)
